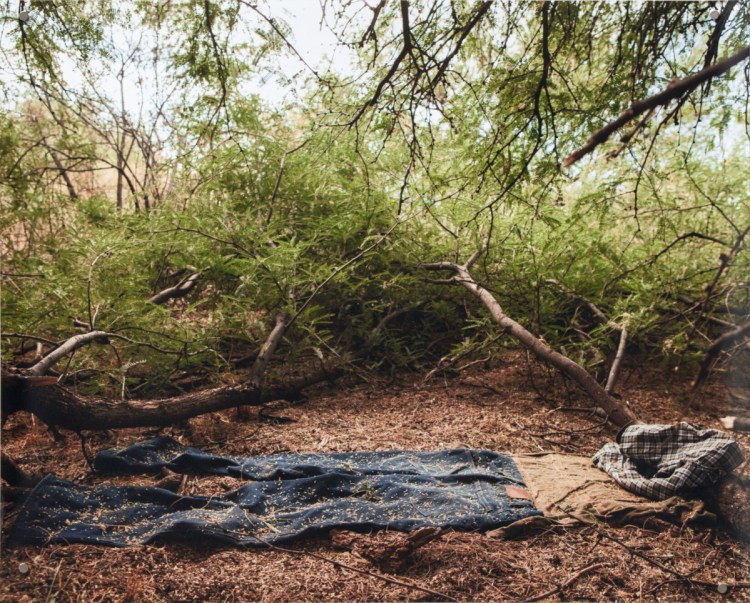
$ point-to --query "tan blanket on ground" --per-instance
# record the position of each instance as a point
(567, 487)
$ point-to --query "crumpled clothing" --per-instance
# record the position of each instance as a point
(660, 461)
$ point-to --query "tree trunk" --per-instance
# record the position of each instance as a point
(13, 475)
(617, 411)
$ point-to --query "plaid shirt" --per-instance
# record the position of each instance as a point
(659, 461)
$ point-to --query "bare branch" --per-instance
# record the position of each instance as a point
(181, 289)
(370, 31)
(614, 371)
(275, 26)
(267, 350)
(70, 345)
(673, 91)
(30, 337)
(465, 31)
(618, 412)
(722, 344)
(712, 50)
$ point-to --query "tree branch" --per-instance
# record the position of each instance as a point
(617, 411)
(70, 345)
(267, 350)
(470, 25)
(722, 344)
(179, 290)
(672, 92)
(614, 371)
(370, 31)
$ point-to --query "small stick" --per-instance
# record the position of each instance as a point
(362, 571)
(567, 583)
(614, 371)
(86, 456)
(631, 550)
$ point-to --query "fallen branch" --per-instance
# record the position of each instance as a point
(181, 289)
(681, 577)
(13, 390)
(717, 347)
(13, 475)
(675, 90)
(730, 500)
(391, 316)
(57, 406)
(628, 548)
(407, 584)
(614, 371)
(736, 423)
(617, 411)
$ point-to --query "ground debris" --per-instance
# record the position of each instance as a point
(407, 414)
(390, 551)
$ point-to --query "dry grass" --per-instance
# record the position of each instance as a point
(500, 408)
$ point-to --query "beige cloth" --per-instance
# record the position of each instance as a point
(567, 487)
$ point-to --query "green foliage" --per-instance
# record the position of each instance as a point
(304, 212)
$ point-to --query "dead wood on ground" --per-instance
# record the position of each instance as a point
(58, 406)
(617, 411)
(181, 289)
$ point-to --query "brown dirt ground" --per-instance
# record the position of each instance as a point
(513, 406)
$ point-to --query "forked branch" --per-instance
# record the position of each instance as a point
(617, 411)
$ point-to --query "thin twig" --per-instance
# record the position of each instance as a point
(567, 583)
(339, 270)
(30, 337)
(407, 584)
(86, 454)
(630, 549)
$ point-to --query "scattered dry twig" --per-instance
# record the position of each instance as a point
(568, 582)
(407, 584)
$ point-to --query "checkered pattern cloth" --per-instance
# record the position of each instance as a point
(659, 461)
